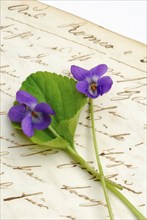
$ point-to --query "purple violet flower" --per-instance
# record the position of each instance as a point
(31, 114)
(91, 82)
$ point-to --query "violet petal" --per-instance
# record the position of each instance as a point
(78, 72)
(27, 126)
(17, 113)
(24, 97)
(82, 86)
(99, 70)
(42, 122)
(93, 96)
(104, 84)
(44, 108)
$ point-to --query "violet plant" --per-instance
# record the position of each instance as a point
(92, 84)
(47, 111)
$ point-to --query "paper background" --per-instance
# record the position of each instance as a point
(37, 37)
(118, 16)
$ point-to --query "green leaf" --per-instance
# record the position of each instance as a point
(61, 94)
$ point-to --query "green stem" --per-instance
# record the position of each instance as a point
(86, 166)
(126, 202)
(102, 179)
(54, 132)
(79, 159)
(110, 184)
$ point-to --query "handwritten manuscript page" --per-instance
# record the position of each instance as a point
(40, 183)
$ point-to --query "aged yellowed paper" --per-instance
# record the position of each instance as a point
(39, 183)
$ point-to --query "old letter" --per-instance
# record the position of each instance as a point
(38, 183)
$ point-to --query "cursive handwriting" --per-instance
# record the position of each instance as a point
(35, 59)
(81, 57)
(85, 197)
(42, 152)
(22, 196)
(23, 35)
(5, 185)
(74, 28)
(115, 160)
(129, 92)
(36, 203)
(25, 10)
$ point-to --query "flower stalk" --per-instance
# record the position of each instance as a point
(74, 154)
(110, 184)
(102, 179)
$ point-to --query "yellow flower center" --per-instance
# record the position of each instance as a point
(93, 87)
(34, 114)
